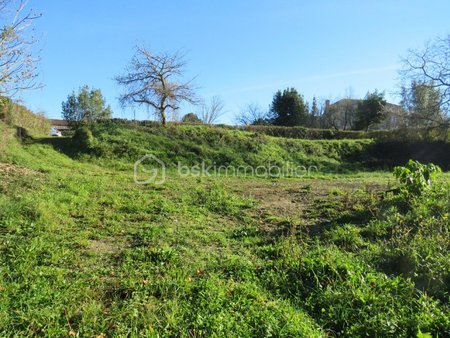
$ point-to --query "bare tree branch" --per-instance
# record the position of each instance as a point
(211, 111)
(152, 80)
(431, 67)
(17, 62)
(252, 114)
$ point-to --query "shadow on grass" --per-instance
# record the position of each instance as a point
(61, 144)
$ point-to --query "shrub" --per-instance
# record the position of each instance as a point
(191, 118)
(83, 138)
(413, 228)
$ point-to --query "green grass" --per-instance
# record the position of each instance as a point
(191, 145)
(17, 115)
(86, 252)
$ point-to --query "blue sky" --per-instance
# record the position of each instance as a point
(243, 51)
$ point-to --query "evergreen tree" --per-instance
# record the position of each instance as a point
(314, 114)
(314, 107)
(370, 110)
(288, 108)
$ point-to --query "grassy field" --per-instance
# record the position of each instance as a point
(86, 252)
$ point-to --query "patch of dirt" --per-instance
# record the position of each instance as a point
(11, 169)
(277, 198)
(287, 198)
(283, 205)
(14, 178)
(107, 245)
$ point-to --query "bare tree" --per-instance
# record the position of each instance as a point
(342, 113)
(252, 114)
(431, 67)
(17, 62)
(153, 80)
(212, 110)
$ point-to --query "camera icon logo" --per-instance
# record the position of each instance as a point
(149, 169)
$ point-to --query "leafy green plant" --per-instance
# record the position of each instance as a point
(415, 177)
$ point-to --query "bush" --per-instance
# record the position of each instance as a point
(191, 118)
(415, 177)
(305, 133)
(83, 138)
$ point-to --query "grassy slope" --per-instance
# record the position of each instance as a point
(85, 251)
(193, 144)
(17, 115)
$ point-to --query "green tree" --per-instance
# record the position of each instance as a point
(86, 106)
(314, 114)
(191, 118)
(288, 108)
(314, 107)
(370, 110)
(422, 101)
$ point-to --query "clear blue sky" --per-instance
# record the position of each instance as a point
(243, 51)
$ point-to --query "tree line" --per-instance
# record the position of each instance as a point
(156, 81)
(289, 108)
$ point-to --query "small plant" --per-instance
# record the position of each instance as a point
(415, 178)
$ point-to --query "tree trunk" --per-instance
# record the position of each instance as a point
(163, 118)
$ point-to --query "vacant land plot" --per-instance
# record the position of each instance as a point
(86, 252)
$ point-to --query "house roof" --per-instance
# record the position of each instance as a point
(60, 124)
(56, 123)
(354, 102)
